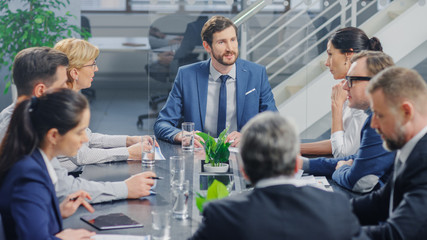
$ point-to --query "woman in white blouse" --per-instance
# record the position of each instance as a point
(346, 122)
(101, 147)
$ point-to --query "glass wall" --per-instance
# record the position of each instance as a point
(287, 37)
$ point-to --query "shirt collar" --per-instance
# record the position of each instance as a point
(50, 170)
(215, 74)
(280, 180)
(409, 146)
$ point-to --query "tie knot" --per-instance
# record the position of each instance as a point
(224, 78)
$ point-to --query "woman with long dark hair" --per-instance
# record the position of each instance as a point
(346, 122)
(39, 130)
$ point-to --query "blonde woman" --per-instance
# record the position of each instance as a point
(100, 148)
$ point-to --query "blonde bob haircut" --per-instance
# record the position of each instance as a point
(79, 52)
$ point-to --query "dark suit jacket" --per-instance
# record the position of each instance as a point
(188, 98)
(280, 212)
(28, 204)
(409, 218)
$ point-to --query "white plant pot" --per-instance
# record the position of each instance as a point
(222, 168)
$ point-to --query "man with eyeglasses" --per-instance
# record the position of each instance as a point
(370, 167)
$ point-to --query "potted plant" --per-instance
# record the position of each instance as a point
(34, 24)
(217, 152)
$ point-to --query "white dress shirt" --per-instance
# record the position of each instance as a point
(347, 142)
(214, 86)
(49, 167)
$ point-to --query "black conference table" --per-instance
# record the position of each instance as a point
(140, 209)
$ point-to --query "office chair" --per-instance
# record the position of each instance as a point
(164, 35)
(85, 25)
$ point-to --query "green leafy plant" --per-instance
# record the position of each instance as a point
(216, 152)
(216, 190)
(33, 25)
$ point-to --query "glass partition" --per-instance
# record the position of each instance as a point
(287, 37)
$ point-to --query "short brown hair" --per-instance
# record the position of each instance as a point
(398, 83)
(213, 25)
(34, 65)
(376, 61)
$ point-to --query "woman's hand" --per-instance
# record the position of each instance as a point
(338, 95)
(70, 204)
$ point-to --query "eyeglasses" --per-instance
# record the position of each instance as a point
(91, 65)
(350, 80)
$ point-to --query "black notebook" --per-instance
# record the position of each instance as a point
(111, 221)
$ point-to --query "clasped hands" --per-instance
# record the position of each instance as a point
(233, 138)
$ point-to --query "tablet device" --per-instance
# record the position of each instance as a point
(111, 221)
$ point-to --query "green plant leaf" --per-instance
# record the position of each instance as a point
(34, 24)
(200, 201)
(217, 190)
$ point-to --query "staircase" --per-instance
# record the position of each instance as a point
(305, 95)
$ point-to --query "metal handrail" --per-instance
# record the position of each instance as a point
(271, 25)
(253, 9)
(294, 34)
(274, 61)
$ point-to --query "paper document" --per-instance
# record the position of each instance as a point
(158, 154)
(318, 182)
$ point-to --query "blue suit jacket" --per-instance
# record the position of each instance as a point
(371, 163)
(28, 203)
(188, 98)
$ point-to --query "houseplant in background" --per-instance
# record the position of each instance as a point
(35, 23)
(217, 152)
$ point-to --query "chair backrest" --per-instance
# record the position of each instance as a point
(85, 24)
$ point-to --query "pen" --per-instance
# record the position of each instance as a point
(73, 199)
(159, 178)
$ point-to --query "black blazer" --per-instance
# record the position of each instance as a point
(280, 212)
(409, 218)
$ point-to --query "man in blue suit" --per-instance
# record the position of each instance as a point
(369, 168)
(398, 99)
(220, 92)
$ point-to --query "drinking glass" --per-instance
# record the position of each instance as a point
(177, 170)
(187, 142)
(148, 151)
(180, 196)
(161, 224)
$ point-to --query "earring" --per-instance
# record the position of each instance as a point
(77, 78)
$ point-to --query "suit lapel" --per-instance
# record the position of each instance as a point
(241, 83)
(202, 80)
(37, 155)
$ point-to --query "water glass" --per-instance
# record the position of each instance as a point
(187, 142)
(177, 170)
(161, 224)
(180, 197)
(148, 151)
